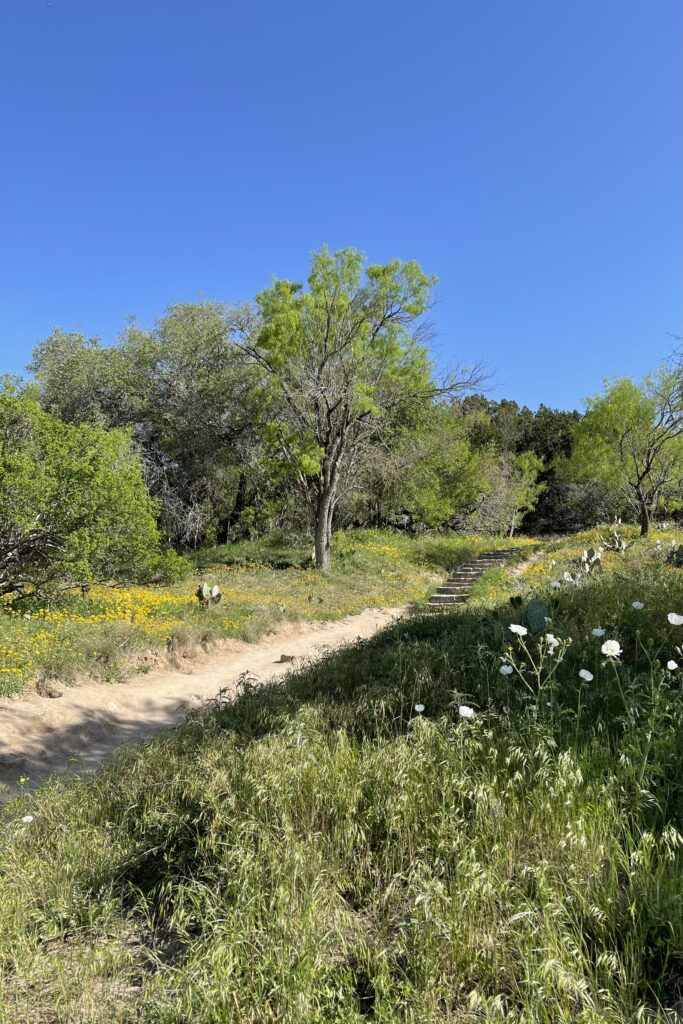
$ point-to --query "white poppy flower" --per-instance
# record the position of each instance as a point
(27, 819)
(674, 619)
(506, 670)
(638, 605)
(466, 712)
(555, 584)
(611, 648)
(506, 709)
(419, 708)
(519, 630)
(672, 665)
(552, 641)
(585, 674)
(598, 632)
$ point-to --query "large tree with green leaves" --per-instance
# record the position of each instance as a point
(631, 442)
(187, 392)
(73, 503)
(342, 361)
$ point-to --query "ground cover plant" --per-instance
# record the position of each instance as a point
(262, 582)
(467, 818)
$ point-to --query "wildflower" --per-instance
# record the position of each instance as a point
(672, 665)
(611, 648)
(597, 631)
(555, 584)
(637, 605)
(466, 712)
(506, 670)
(27, 819)
(551, 641)
(419, 708)
(585, 674)
(519, 630)
(674, 619)
(506, 709)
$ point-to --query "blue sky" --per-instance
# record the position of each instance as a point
(528, 153)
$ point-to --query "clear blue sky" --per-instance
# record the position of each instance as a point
(527, 152)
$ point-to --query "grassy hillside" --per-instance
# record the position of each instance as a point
(262, 583)
(322, 851)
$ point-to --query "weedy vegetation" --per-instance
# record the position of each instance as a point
(473, 816)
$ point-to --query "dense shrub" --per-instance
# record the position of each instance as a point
(73, 504)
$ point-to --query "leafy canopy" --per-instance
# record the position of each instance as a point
(73, 503)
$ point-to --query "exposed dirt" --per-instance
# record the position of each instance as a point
(84, 725)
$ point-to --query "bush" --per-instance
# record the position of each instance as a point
(73, 504)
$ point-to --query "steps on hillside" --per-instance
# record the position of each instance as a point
(458, 586)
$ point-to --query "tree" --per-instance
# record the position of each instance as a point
(631, 442)
(342, 361)
(188, 394)
(511, 489)
(424, 475)
(73, 503)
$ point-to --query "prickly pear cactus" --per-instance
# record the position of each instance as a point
(536, 615)
(207, 595)
(675, 556)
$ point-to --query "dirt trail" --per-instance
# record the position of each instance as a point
(87, 723)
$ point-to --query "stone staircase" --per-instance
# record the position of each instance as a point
(457, 587)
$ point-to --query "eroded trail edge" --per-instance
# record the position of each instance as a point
(83, 727)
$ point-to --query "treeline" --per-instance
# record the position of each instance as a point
(311, 406)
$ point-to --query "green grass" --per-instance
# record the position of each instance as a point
(106, 631)
(317, 851)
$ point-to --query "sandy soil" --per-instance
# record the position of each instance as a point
(84, 726)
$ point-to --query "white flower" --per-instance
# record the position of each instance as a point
(611, 648)
(506, 709)
(637, 605)
(519, 630)
(419, 708)
(466, 712)
(674, 619)
(552, 641)
(27, 819)
(555, 584)
(598, 632)
(585, 674)
(672, 665)
(506, 670)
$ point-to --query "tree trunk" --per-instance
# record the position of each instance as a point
(644, 519)
(323, 531)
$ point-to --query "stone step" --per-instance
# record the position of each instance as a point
(458, 586)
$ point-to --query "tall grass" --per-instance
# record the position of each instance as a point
(320, 851)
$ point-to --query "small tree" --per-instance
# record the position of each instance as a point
(342, 361)
(631, 442)
(73, 503)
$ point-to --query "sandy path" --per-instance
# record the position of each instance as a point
(87, 723)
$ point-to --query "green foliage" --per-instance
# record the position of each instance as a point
(536, 615)
(342, 364)
(631, 442)
(319, 851)
(73, 504)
